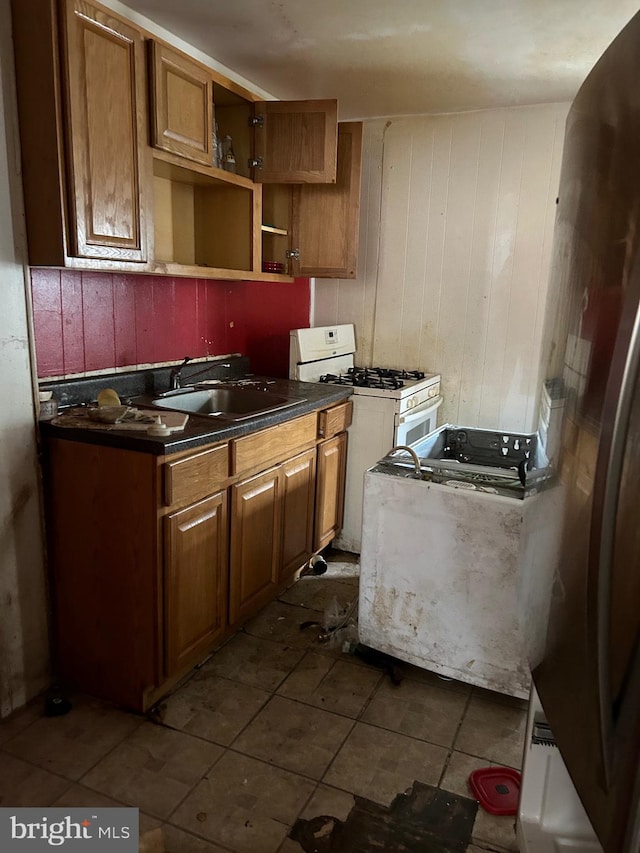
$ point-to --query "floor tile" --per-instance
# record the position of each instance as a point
(19, 720)
(334, 685)
(319, 593)
(147, 822)
(502, 698)
(379, 764)
(290, 846)
(425, 676)
(253, 661)
(281, 622)
(488, 830)
(419, 710)
(211, 707)
(494, 831)
(342, 564)
(494, 731)
(178, 841)
(456, 776)
(77, 796)
(70, 745)
(294, 736)
(351, 651)
(244, 804)
(22, 784)
(328, 801)
(153, 769)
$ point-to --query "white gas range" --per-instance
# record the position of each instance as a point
(390, 407)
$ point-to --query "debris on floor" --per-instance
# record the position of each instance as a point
(423, 818)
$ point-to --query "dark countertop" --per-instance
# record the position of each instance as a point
(203, 429)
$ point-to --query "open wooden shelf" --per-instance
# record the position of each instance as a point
(176, 168)
(202, 221)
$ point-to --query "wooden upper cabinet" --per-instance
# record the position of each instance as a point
(296, 141)
(181, 104)
(108, 167)
(325, 217)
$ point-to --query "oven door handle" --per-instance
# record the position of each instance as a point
(419, 412)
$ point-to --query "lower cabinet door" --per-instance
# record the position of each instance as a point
(196, 559)
(298, 499)
(256, 513)
(332, 463)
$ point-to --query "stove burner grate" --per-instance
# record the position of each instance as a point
(385, 378)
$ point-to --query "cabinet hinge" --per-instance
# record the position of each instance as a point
(294, 254)
(255, 162)
(256, 120)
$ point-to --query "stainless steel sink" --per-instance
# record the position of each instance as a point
(231, 403)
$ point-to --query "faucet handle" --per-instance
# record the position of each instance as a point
(174, 376)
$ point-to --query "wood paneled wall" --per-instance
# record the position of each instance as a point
(456, 232)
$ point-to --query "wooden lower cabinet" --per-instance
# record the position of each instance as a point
(271, 532)
(256, 514)
(329, 502)
(155, 561)
(195, 590)
(298, 500)
(102, 556)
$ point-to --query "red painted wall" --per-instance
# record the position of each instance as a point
(98, 321)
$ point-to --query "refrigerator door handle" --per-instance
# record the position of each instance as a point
(617, 410)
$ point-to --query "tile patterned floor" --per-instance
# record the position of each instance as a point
(273, 727)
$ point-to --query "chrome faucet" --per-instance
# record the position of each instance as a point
(174, 376)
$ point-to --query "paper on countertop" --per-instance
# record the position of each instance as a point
(119, 415)
(84, 418)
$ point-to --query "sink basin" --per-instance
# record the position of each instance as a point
(231, 403)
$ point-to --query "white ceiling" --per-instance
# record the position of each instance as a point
(400, 57)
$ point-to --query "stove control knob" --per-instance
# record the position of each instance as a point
(411, 402)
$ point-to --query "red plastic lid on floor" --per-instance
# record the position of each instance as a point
(497, 789)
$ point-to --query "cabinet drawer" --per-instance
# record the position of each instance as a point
(269, 446)
(335, 420)
(194, 477)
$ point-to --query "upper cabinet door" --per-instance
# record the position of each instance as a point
(296, 141)
(181, 104)
(105, 125)
(325, 218)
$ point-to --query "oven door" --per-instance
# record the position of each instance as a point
(414, 424)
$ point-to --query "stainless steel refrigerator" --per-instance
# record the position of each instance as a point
(588, 677)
